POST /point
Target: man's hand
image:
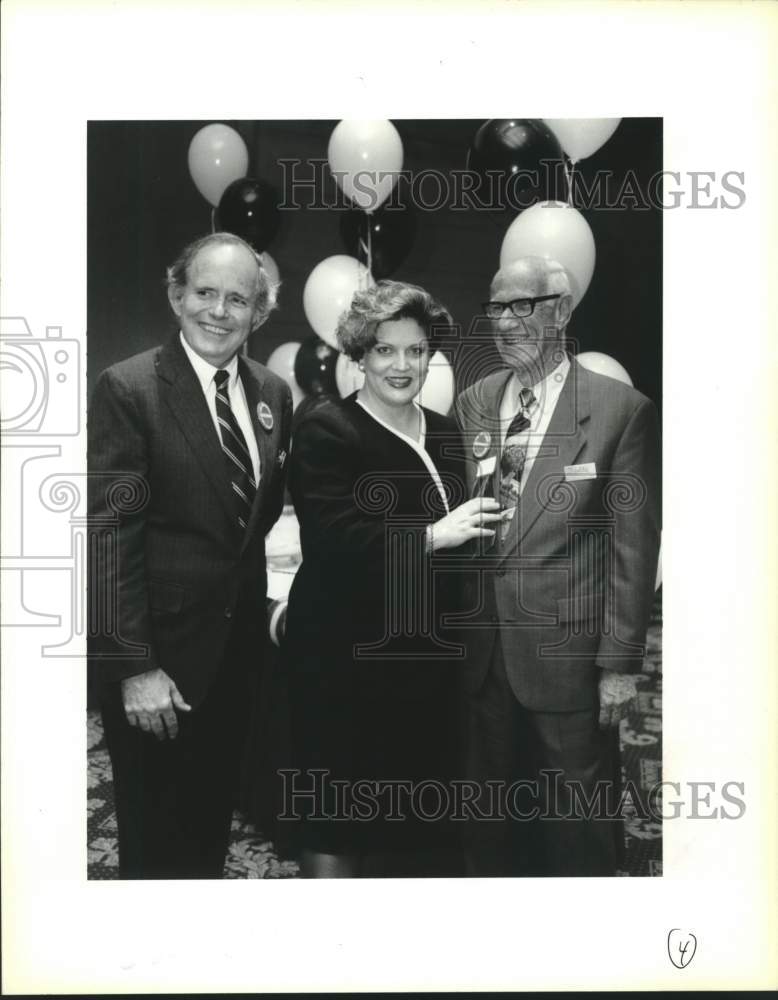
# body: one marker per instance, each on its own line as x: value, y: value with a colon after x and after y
x: 617, y: 691
x: 150, y: 702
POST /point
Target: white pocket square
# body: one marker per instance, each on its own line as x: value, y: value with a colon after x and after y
x: 586, y: 471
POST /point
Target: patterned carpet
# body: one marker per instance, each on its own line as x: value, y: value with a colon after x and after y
x: 252, y: 855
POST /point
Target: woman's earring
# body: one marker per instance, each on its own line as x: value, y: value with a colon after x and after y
x: 360, y: 366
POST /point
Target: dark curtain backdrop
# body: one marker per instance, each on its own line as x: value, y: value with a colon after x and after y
x: 143, y: 207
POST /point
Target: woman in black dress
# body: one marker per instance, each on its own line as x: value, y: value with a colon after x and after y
x: 378, y: 485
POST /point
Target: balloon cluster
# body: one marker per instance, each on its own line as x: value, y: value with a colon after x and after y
x: 365, y: 158
x: 512, y: 158
x: 506, y: 152
x: 218, y: 161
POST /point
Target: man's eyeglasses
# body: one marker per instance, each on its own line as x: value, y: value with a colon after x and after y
x: 521, y: 308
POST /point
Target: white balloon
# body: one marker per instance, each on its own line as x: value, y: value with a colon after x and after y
x: 365, y: 157
x: 556, y: 231
x: 329, y: 290
x: 281, y: 361
x: 217, y: 157
x: 348, y: 377
x: 580, y: 137
x: 436, y: 394
x: 603, y: 364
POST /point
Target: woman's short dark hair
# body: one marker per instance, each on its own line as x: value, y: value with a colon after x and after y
x: 177, y: 273
x: 389, y: 300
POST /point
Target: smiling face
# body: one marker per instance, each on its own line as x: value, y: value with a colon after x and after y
x: 529, y: 345
x: 396, y: 365
x: 217, y: 306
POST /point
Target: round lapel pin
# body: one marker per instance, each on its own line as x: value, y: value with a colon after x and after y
x: 482, y: 443
x: 264, y: 416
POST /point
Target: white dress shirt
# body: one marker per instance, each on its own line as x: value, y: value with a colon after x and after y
x: 547, y: 393
x: 206, y: 374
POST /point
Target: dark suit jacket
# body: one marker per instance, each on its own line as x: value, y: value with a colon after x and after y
x: 571, y: 587
x: 171, y: 571
x: 364, y: 498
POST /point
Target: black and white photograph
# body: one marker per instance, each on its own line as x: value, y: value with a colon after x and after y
x: 449, y: 464
x: 387, y: 566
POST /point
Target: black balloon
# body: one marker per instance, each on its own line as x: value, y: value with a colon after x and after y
x: 314, y: 367
x: 249, y: 209
x: 392, y: 232
x: 519, y: 162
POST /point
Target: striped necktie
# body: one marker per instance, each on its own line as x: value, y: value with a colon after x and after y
x: 236, y: 452
x: 514, y: 455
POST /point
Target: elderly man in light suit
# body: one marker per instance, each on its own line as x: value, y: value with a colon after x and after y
x: 178, y: 608
x: 560, y: 599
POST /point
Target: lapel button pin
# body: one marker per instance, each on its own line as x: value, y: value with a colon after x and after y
x: 482, y: 444
x: 264, y: 416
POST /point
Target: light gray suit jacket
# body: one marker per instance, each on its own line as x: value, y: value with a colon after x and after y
x: 570, y: 588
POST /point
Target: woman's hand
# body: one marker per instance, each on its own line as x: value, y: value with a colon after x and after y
x: 465, y: 523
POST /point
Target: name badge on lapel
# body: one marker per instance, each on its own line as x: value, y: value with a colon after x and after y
x: 486, y: 466
x: 265, y: 416
x: 573, y: 473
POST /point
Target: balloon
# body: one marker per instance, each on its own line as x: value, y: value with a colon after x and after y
x: 270, y: 268
x: 558, y: 232
x: 580, y: 137
x: 281, y: 361
x: 314, y: 367
x: 348, y: 377
x: 249, y: 209
x: 365, y: 158
x: 513, y: 147
x: 217, y: 157
x: 392, y: 231
x: 437, y: 393
x: 329, y: 290
x: 593, y: 361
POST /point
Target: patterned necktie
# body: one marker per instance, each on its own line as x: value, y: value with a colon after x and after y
x: 514, y: 455
x: 236, y: 452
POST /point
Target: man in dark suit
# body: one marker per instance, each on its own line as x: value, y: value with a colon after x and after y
x: 560, y: 599
x: 187, y: 444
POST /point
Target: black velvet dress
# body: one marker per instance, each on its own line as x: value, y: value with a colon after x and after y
x: 373, y: 669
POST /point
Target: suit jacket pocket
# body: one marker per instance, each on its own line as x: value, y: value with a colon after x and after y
x: 166, y: 597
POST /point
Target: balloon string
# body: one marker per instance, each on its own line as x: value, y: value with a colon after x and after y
x: 368, y: 277
x: 569, y: 172
x: 213, y: 219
